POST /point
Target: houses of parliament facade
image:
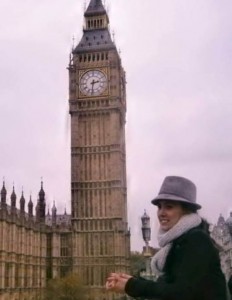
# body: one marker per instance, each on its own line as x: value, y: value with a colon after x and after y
x: 94, y: 239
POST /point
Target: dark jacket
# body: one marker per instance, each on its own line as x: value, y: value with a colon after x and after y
x: 230, y: 285
x: 192, y: 272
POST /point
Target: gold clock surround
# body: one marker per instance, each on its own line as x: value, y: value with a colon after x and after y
x: 93, y: 83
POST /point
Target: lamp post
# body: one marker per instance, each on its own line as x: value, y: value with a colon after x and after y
x: 146, y: 232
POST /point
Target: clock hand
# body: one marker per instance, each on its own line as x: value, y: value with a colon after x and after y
x: 93, y: 82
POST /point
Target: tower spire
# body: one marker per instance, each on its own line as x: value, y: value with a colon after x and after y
x: 22, y: 203
x: 30, y: 207
x: 3, y: 193
x: 95, y: 8
x: 13, y: 198
x: 41, y: 205
x: 96, y: 35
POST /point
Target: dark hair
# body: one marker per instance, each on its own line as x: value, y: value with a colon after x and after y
x: 205, y: 225
x: 188, y: 207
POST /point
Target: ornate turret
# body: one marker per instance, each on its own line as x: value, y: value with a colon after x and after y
x: 221, y: 221
x: 3, y: 195
x: 222, y: 228
x: 22, y: 203
x: 13, y: 198
x: 41, y: 192
x: 41, y: 205
x: 30, y: 207
x: 229, y: 223
x: 54, y: 210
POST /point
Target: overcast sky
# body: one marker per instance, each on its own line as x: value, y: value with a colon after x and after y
x: 178, y: 58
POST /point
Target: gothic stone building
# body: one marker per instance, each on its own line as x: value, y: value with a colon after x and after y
x: 222, y: 234
x: 94, y: 240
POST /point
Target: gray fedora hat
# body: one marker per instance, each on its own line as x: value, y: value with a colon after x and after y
x: 177, y: 189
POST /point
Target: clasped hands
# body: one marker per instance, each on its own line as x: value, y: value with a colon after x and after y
x: 116, y: 282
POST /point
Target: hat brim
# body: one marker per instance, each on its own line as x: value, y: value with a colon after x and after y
x: 173, y: 198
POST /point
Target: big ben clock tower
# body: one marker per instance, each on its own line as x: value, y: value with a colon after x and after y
x: 97, y: 97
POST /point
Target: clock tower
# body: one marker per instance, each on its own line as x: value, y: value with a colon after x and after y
x: 97, y: 98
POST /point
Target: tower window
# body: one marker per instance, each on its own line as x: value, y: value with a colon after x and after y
x: 64, y: 247
x: 7, y: 274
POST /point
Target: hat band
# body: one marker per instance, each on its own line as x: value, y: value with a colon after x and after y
x: 173, y: 197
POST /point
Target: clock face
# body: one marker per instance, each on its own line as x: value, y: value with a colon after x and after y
x: 93, y: 83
